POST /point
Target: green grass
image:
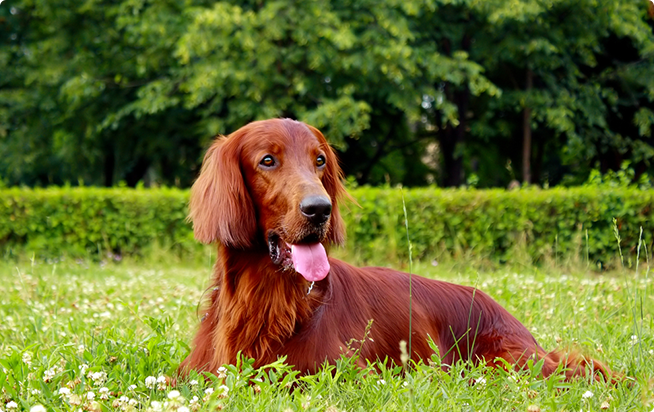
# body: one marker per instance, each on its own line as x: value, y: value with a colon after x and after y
x: 70, y: 329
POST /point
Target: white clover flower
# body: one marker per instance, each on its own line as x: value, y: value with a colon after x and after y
x: 35, y: 392
x: 174, y: 394
x: 11, y: 405
x: 82, y: 368
x: 183, y: 409
x: 90, y: 396
x: 161, y: 382
x: 224, y: 391
x: 208, y: 391
x: 131, y: 387
x: 98, y: 378
x: 156, y: 406
x: 133, y: 402
x: 27, y: 358
x: 193, y: 383
x: 74, y: 399
x: 381, y: 382
x: 49, y: 374
x: 587, y: 395
x: 80, y: 349
x: 38, y: 408
x: 150, y: 381
x: 104, y: 393
x: 64, y: 391
x: 222, y: 372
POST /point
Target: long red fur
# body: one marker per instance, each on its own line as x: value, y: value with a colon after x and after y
x: 264, y: 312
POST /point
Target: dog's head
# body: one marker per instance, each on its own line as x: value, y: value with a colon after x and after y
x: 276, y: 183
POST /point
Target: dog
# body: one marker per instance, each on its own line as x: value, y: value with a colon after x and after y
x: 268, y: 195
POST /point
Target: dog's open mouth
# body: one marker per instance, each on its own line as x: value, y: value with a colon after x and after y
x: 308, y: 259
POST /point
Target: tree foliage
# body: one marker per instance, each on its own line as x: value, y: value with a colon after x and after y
x: 411, y: 91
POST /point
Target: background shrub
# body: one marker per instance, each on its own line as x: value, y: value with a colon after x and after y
x: 494, y: 224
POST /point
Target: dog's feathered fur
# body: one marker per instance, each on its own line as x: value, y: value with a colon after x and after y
x: 262, y: 308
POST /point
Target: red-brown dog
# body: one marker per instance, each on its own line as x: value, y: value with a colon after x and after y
x: 268, y: 195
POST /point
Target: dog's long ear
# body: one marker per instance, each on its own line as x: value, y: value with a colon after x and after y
x: 332, y: 180
x: 220, y: 207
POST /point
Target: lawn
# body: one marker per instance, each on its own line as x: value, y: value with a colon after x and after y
x: 77, y: 335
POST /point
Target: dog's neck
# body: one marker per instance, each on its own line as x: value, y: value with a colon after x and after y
x: 260, y: 305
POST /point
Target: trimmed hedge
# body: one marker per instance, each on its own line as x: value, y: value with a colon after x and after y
x: 488, y: 223
x: 90, y: 221
x: 495, y: 223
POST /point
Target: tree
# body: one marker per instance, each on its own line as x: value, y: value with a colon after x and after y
x: 104, y: 92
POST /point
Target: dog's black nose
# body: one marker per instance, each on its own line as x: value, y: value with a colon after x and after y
x: 316, y: 208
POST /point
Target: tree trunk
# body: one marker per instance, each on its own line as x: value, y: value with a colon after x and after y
x: 526, y: 131
x: 109, y: 161
x: 452, y: 139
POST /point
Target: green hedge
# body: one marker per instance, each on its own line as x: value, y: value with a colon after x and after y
x: 487, y: 223
x: 88, y: 221
x: 496, y: 223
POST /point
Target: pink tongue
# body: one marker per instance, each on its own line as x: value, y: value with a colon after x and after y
x: 310, y: 261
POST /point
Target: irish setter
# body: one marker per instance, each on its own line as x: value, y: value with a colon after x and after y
x: 268, y: 196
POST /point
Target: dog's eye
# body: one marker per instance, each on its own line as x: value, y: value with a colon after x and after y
x: 320, y: 161
x: 267, y: 161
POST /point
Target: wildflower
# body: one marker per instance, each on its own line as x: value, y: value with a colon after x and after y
x: 183, y: 409
x: 133, y: 402
x: 533, y: 408
x: 93, y: 406
x: 82, y: 368
x: 481, y: 382
x: 131, y: 387
x: 587, y: 395
x: 193, y: 383
x: 194, y: 403
x: 11, y: 405
x: 80, y: 349
x: 27, y: 358
x: 90, y: 396
x: 172, y: 395
x: 161, y: 382
x: 150, y: 381
x: 605, y: 405
x: 35, y: 392
x: 222, y: 372
x: 64, y: 391
x: 104, y: 393
x: 49, y: 374
x: 98, y: 378
x: 224, y: 391
x: 38, y: 408
x: 156, y: 406
x: 74, y: 399
x: 381, y: 382
x: 208, y: 391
